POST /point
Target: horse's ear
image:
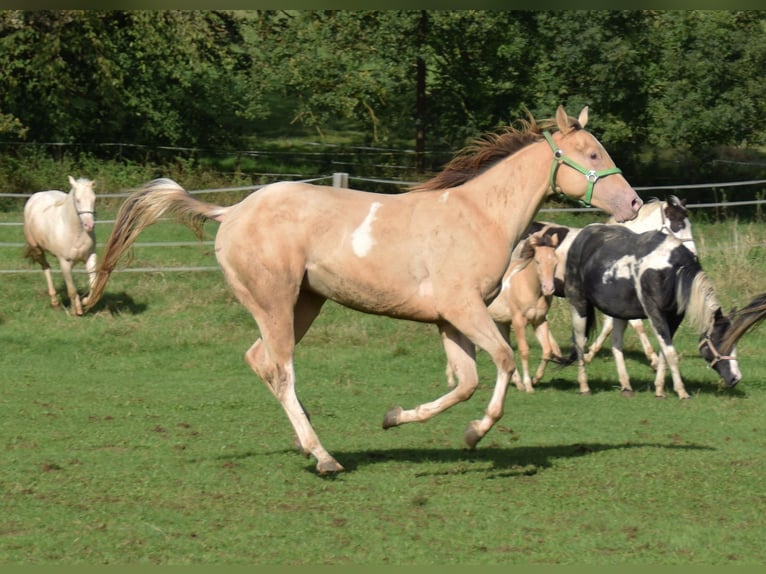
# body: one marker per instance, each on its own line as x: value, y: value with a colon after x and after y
x: 562, y: 120
x: 71, y: 180
x: 583, y: 118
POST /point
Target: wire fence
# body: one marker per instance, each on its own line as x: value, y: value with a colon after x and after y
x: 340, y: 179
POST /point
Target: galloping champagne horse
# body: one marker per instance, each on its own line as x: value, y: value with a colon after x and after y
x: 63, y: 224
x: 434, y: 254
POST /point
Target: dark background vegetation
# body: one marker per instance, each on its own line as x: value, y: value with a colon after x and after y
x: 224, y: 97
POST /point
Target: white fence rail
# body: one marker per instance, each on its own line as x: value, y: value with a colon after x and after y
x: 341, y: 180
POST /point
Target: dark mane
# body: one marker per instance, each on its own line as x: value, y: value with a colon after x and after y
x: 485, y: 152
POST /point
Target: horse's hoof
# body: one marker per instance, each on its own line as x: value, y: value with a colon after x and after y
x: 585, y: 393
x: 659, y: 397
x: 330, y: 466
x: 628, y: 393
x: 686, y: 398
x: 472, y: 435
x: 392, y: 418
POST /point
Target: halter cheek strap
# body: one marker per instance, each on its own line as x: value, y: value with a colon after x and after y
x: 717, y: 357
x: 591, y: 175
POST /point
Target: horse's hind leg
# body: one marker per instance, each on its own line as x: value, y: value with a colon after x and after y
x: 600, y: 340
x: 271, y: 358
x: 461, y: 361
x: 36, y: 254
x: 618, y: 333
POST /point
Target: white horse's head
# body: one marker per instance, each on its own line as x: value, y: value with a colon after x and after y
x: 84, y: 199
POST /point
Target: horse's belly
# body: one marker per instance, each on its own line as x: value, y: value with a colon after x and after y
x: 377, y: 296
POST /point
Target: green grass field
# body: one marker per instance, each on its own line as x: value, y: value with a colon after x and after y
x: 137, y: 435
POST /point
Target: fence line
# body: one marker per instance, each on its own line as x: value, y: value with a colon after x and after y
x: 341, y: 180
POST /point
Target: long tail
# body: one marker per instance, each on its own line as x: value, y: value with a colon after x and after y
x: 142, y: 209
x: 744, y: 320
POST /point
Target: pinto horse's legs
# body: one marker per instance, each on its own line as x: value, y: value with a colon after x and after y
x: 461, y: 365
x: 646, y: 344
x: 579, y: 323
x: 618, y: 337
x: 669, y: 357
x: 599, y: 342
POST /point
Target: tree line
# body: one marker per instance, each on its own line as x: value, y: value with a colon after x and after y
x: 688, y: 81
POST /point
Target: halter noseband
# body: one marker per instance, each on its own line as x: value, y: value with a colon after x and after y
x: 717, y: 357
x: 591, y: 175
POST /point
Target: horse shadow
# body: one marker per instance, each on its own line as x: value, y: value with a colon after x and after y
x: 503, y: 462
x: 117, y: 304
x: 643, y: 385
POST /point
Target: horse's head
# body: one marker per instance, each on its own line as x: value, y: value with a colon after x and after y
x: 593, y: 178
x: 719, y: 346
x: 84, y: 199
x: 719, y: 353
x: 541, y: 247
x: 675, y: 218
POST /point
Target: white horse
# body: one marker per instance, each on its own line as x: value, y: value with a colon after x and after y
x: 63, y: 225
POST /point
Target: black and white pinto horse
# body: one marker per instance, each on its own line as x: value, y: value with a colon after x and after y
x: 650, y: 275
x: 669, y: 216
x: 672, y: 217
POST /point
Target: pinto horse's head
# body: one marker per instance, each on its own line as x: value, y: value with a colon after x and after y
x: 718, y: 347
x: 719, y: 354
x: 590, y: 175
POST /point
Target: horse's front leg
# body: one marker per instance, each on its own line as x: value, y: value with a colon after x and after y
x: 74, y: 297
x: 543, y: 334
x: 461, y: 365
x: 618, y: 333
x: 669, y: 356
x: 519, y: 329
x: 646, y: 344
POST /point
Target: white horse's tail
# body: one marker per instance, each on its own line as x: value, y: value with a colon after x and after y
x: 143, y: 208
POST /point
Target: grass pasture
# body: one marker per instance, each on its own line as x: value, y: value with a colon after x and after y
x: 137, y: 435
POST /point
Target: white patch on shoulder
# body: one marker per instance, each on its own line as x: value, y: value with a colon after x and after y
x: 362, y: 240
x: 620, y: 269
x: 444, y: 197
x: 426, y: 288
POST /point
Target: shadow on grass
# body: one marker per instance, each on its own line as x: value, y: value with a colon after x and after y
x: 640, y: 385
x: 505, y: 462
x: 118, y: 303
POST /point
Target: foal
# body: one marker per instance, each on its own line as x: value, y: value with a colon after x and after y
x: 525, y: 298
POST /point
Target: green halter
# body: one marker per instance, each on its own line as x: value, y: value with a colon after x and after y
x: 591, y: 175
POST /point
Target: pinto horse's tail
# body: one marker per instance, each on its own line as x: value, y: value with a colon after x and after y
x: 143, y: 208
